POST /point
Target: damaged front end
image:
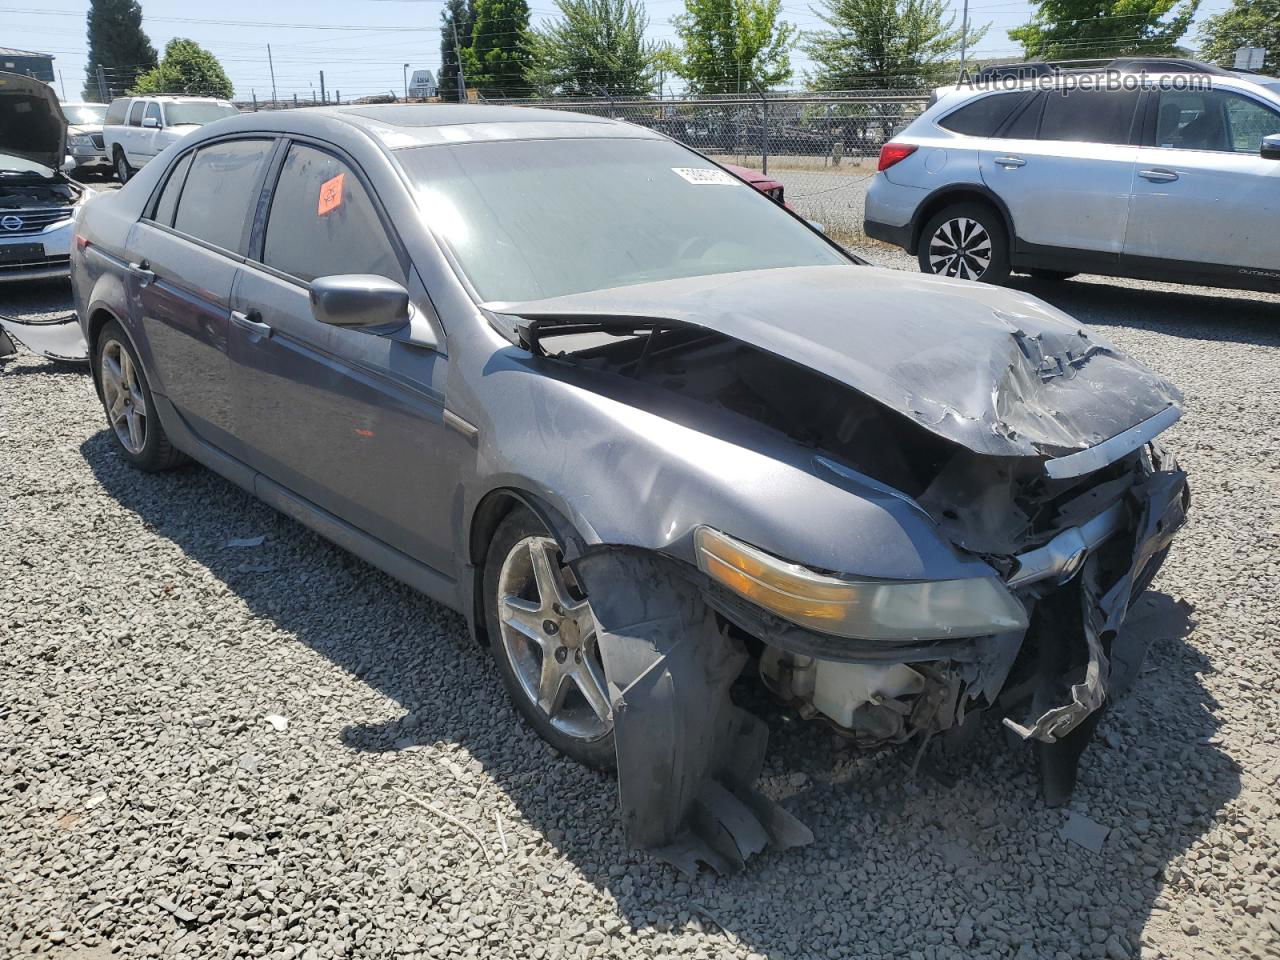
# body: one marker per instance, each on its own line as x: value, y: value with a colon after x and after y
x: 1026, y: 443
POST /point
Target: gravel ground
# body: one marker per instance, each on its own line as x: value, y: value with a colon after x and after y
x: 275, y: 751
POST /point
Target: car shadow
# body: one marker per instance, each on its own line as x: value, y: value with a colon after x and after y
x: 971, y: 840
x: 1238, y: 315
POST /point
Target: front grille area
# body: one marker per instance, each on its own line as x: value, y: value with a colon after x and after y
x: 17, y: 223
x: 97, y: 140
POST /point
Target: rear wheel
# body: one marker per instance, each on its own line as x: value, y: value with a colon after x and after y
x: 543, y: 637
x: 967, y: 241
x: 123, y: 170
x: 130, y: 407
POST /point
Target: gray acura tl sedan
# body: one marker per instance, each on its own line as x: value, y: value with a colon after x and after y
x: 643, y: 427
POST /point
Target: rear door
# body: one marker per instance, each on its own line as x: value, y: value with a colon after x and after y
x: 131, y: 135
x: 148, y: 136
x: 1064, y: 169
x: 1203, y: 194
x: 185, y: 255
x: 347, y: 419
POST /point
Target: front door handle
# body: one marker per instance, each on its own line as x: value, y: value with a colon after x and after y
x: 142, y: 270
x: 251, y: 321
x: 1011, y: 162
x: 1158, y: 175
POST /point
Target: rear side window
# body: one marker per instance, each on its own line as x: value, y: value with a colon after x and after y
x: 323, y: 222
x: 168, y: 201
x: 220, y: 193
x: 1089, y: 116
x: 135, y: 114
x: 118, y: 110
x: 982, y: 118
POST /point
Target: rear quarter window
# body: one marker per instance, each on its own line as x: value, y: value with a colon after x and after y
x: 117, y: 111
x: 983, y: 117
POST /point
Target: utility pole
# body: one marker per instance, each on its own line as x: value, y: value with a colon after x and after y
x: 102, y: 84
x: 457, y: 52
x: 272, y: 65
x: 323, y: 98
x: 405, y: 71
x: 964, y: 34
x: 62, y: 83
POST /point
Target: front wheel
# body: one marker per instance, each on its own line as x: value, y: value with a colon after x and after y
x: 123, y: 170
x: 543, y: 638
x: 967, y: 241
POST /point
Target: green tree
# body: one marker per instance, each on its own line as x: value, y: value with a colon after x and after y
x: 599, y: 44
x: 459, y: 15
x: 728, y: 46
x: 1246, y: 23
x: 885, y: 43
x: 117, y: 44
x: 499, y: 51
x: 186, y: 68
x: 1083, y: 29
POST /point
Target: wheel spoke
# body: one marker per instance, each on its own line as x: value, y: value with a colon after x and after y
x: 525, y: 616
x: 551, y: 686
x: 546, y: 573
x: 136, y: 430
x: 592, y: 688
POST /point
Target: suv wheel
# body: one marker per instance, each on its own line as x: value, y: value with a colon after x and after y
x: 123, y: 170
x: 126, y: 397
x: 967, y: 241
x: 543, y: 638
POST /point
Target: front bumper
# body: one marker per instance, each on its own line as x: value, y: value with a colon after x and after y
x: 37, y: 256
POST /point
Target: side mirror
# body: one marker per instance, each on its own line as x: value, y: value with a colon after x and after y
x: 359, y: 300
x: 151, y: 123
x: 1271, y: 147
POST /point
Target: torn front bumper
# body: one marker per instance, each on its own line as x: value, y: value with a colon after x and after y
x: 57, y: 339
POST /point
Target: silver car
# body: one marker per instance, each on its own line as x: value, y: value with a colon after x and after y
x: 1127, y: 172
x: 642, y: 426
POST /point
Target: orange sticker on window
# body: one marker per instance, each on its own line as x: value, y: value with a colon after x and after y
x: 330, y: 195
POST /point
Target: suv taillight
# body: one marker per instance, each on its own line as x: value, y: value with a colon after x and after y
x: 892, y: 153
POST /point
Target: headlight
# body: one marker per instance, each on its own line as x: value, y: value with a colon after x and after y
x: 80, y: 140
x: 863, y: 609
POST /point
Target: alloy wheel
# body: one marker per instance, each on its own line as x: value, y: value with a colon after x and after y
x: 122, y: 392
x: 960, y: 248
x: 549, y: 637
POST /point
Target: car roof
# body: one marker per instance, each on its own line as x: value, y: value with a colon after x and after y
x: 1228, y: 80
x: 399, y: 126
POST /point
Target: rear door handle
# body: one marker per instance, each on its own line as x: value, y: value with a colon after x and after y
x: 1158, y: 175
x: 142, y: 270
x: 1011, y: 162
x: 251, y: 321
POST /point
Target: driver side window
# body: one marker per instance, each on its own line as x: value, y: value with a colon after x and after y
x: 1216, y: 120
x: 153, y: 112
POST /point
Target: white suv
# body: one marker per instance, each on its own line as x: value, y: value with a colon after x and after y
x: 1163, y: 171
x: 138, y: 128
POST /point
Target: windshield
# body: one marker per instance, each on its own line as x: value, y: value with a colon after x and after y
x: 84, y: 113
x: 197, y: 113
x: 529, y: 219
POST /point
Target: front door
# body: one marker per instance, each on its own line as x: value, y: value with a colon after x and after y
x: 1066, y: 179
x: 1203, y: 194
x: 184, y: 260
x: 350, y: 420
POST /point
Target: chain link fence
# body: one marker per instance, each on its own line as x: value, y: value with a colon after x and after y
x: 822, y: 147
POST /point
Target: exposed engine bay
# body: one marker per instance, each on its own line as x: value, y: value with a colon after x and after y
x: 1075, y: 551
x: 26, y: 194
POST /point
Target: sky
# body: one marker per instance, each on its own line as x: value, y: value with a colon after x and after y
x: 362, y: 45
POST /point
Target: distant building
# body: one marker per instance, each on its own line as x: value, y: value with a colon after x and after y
x: 422, y: 85
x: 27, y: 63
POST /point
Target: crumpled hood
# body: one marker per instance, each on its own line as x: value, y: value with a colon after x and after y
x: 32, y: 126
x: 995, y: 370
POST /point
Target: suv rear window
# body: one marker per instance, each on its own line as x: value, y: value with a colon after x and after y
x: 982, y: 118
x: 1089, y: 116
x: 116, y: 112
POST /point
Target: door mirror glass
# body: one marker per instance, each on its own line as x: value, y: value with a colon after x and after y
x: 150, y: 122
x: 359, y: 300
x: 1271, y: 147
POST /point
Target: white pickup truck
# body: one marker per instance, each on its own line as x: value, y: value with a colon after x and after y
x: 138, y: 128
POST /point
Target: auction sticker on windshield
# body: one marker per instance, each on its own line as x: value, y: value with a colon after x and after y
x: 330, y: 195
x: 701, y: 175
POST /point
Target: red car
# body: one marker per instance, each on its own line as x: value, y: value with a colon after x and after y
x: 763, y: 182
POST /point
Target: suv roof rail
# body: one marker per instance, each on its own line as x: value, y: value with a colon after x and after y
x: 1032, y: 69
